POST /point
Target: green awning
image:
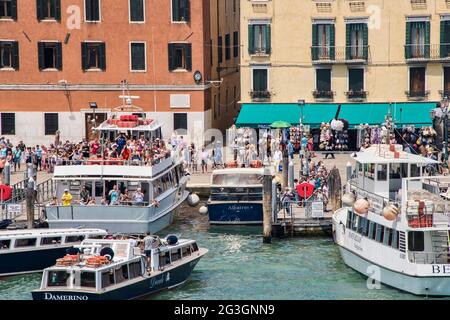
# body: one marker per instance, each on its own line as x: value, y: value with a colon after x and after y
x: 262, y: 115
x: 405, y: 113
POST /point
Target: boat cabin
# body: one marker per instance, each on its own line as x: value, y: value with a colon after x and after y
x: 381, y: 168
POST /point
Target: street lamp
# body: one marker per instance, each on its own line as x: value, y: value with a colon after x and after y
x: 301, y: 104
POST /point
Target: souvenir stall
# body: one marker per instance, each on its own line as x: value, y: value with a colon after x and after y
x: 334, y: 136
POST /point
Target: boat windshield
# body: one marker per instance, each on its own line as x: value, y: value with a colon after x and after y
x: 58, y: 278
x: 236, y: 179
x: 236, y: 194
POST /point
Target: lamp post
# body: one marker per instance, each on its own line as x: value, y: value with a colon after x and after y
x: 301, y: 104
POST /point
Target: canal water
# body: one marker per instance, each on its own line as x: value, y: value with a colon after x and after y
x: 240, y: 266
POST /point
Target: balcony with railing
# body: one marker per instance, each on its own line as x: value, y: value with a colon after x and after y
x: 427, y: 52
x: 323, y: 95
x: 356, y: 95
x: 260, y: 96
x: 343, y: 54
x: 417, y: 94
x: 260, y: 51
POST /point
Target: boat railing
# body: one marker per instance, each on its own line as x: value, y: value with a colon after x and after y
x: 429, y: 257
x: 112, y: 162
x: 377, y: 202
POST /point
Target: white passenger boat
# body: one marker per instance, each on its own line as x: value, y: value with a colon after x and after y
x: 117, y: 270
x: 27, y: 251
x: 397, y: 231
x: 163, y: 185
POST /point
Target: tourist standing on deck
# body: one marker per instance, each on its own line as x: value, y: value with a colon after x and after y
x: 66, y: 198
x: 114, y: 196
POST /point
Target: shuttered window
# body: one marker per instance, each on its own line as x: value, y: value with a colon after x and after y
x: 51, y: 123
x: 180, y: 121
x: 447, y: 81
x: 445, y: 39
x: 92, y: 10
x: 356, y: 41
x: 417, y: 39
x: 235, y: 44
x: 323, y: 36
x: 220, y: 49
x: 180, y: 10
x: 323, y: 79
x: 417, y: 81
x: 8, y: 9
x: 50, y: 55
x: 180, y: 56
x: 48, y: 9
x: 93, y: 55
x: 9, y: 54
x: 356, y: 79
x: 227, y: 47
x: 8, y: 123
x: 137, y: 51
x: 259, y: 38
x: 137, y: 10
x: 260, y: 80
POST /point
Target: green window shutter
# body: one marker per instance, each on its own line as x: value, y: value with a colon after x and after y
x: 88, y: 9
x: 188, y: 48
x: 58, y: 10
x: 427, y: 39
x: 175, y: 10
x: 348, y: 41
x: 15, y: 54
x: 187, y: 9
x: 41, y: 56
x: 365, y: 41
x: 102, y: 57
x: 171, y: 56
x: 251, y: 39
x: 59, y: 56
x: 332, y: 41
x: 39, y: 9
x: 96, y: 7
x: 268, y: 37
x: 14, y: 9
x: 314, y: 49
x: 84, y: 62
x: 408, y: 40
x: 442, y: 40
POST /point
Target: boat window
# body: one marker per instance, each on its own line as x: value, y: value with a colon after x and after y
x: 135, y: 269
x: 379, y: 233
x: 72, y: 239
x: 369, y: 170
x: 194, y: 247
x: 398, y: 170
x: 361, y: 224
x: 175, y: 175
x: 107, y: 278
x: 87, y: 279
x: 387, y: 236
x: 349, y: 219
x: 415, y: 170
x: 58, y: 279
x: 122, y: 273
x: 382, y: 172
x: 354, y: 222
x: 359, y: 167
x: 121, y: 250
x: 231, y: 180
x: 372, y: 230
x: 5, y: 244
x: 20, y: 243
x: 175, y: 254
x: 99, y: 188
x: 416, y: 241
x: 164, y: 258
x: 50, y: 240
x: 186, y: 251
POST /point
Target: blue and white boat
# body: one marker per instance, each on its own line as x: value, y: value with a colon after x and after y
x: 117, y: 270
x: 236, y: 197
x: 28, y: 251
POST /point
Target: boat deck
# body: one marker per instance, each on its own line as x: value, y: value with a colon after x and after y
x: 300, y: 223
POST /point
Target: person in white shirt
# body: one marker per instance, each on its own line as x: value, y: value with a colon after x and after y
x: 277, y: 158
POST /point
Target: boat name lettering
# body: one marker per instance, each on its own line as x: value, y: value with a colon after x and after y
x: 49, y: 296
x: 444, y: 269
x: 241, y: 207
x: 157, y: 281
x: 355, y: 237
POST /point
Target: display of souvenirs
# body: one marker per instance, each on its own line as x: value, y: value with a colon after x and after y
x: 336, y: 139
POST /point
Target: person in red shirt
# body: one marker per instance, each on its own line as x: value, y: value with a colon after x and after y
x: 126, y: 153
x: 94, y: 147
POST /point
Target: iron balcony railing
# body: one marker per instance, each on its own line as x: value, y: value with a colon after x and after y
x: 260, y: 51
x: 356, y: 94
x: 343, y: 54
x: 426, y: 52
x: 445, y: 94
x: 260, y: 95
x: 417, y: 94
x: 323, y: 94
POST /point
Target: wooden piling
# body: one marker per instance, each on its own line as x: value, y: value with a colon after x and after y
x: 267, y: 206
x: 285, y: 168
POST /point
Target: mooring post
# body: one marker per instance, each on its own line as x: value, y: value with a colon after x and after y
x: 274, y: 201
x: 291, y: 174
x: 285, y: 167
x: 349, y: 171
x: 267, y: 206
x: 30, y: 200
x: 7, y: 174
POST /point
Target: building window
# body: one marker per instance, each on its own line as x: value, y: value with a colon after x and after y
x: 235, y: 97
x: 180, y: 121
x: 356, y: 41
x: 9, y: 54
x: 92, y: 10
x: 93, y: 55
x: 323, y: 84
x: 8, y: 9
x: 8, y: 123
x: 50, y: 55
x: 446, y: 82
x: 417, y: 40
x: 260, y: 84
x: 51, y: 123
x: 180, y: 10
x: 259, y: 39
x: 137, y: 10
x: 356, y: 83
x: 235, y: 44
x: 234, y: 6
x: 323, y: 42
x: 48, y: 10
x: 180, y: 56
x: 417, y: 82
x: 138, y: 56
x: 227, y: 47
x: 445, y: 39
x: 219, y: 49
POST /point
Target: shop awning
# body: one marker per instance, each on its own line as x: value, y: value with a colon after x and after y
x: 262, y: 115
x: 406, y: 113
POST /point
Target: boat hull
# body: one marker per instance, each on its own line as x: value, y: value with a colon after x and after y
x: 13, y: 263
x: 426, y: 286
x: 147, y: 286
x: 235, y: 213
